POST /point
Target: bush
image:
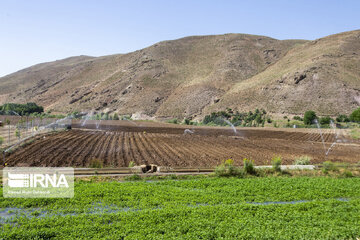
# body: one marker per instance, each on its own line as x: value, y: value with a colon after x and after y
x: 174, y: 121
x: 325, y: 120
x: 298, y: 118
x: 17, y: 133
x: 227, y: 169
x: 329, y: 166
x: 342, y: 118
x: 1, y: 140
x: 249, y: 166
x: 96, y: 163
x: 187, y: 121
x: 309, y: 117
x: 302, y: 160
x: 131, y: 164
x: 116, y: 116
x: 355, y: 115
x: 347, y: 174
x: 276, y: 163
x: 134, y: 177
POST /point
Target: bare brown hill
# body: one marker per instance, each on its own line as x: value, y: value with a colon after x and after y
x: 193, y: 76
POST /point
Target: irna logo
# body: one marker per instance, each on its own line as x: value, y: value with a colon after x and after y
x: 37, y: 180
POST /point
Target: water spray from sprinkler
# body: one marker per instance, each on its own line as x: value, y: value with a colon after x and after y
x: 333, y: 126
x: 321, y: 135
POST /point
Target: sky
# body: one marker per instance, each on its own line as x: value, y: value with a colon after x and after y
x: 35, y: 31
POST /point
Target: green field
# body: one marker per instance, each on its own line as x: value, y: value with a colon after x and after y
x: 200, y: 208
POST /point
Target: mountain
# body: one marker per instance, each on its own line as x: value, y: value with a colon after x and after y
x: 193, y: 76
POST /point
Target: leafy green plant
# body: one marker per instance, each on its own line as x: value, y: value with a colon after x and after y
x: 347, y: 174
x: 174, y: 121
x: 249, y: 166
x: 298, y: 118
x: 116, y: 116
x: 325, y: 120
x: 342, y: 118
x: 134, y: 177
x: 131, y: 164
x: 187, y: 121
x: 329, y: 166
x: 302, y: 160
x: 355, y: 115
x: 309, y: 117
x: 227, y: 169
x: 96, y: 163
x: 17, y: 133
x: 276, y: 163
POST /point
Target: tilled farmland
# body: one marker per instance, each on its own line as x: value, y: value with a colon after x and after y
x: 116, y: 145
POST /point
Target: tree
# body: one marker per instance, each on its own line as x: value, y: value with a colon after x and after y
x: 309, y: 117
x: 17, y: 133
x: 116, y: 116
x: 325, y: 120
x: 342, y: 118
x: 355, y: 115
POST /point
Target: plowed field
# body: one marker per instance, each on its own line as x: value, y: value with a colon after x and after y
x: 167, y: 145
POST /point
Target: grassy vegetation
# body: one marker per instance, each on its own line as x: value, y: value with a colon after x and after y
x: 355, y: 133
x: 302, y: 160
x: 205, y: 208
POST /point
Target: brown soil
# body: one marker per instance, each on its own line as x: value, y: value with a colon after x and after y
x: 116, y: 144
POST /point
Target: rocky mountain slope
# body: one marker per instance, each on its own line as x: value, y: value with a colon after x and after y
x: 193, y: 76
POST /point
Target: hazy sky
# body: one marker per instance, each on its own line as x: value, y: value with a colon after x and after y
x: 34, y: 31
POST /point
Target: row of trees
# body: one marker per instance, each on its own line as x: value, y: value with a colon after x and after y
x: 246, y: 119
x: 310, y: 117
x: 20, y: 109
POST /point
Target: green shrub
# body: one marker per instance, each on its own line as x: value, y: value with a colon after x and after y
x: 276, y: 163
x: 325, y: 120
x: 309, y: 117
x: 116, y: 116
x: 174, y: 121
x: 134, y: 177
x: 131, y: 164
x: 1, y: 140
x: 96, y: 163
x: 347, y: 174
x: 187, y: 121
x: 249, y: 166
x: 355, y: 115
x: 227, y: 169
x: 302, y: 160
x: 17, y: 133
x: 329, y: 166
x: 342, y: 118
x: 298, y: 118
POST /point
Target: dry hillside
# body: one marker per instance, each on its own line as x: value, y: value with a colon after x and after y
x: 193, y: 76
